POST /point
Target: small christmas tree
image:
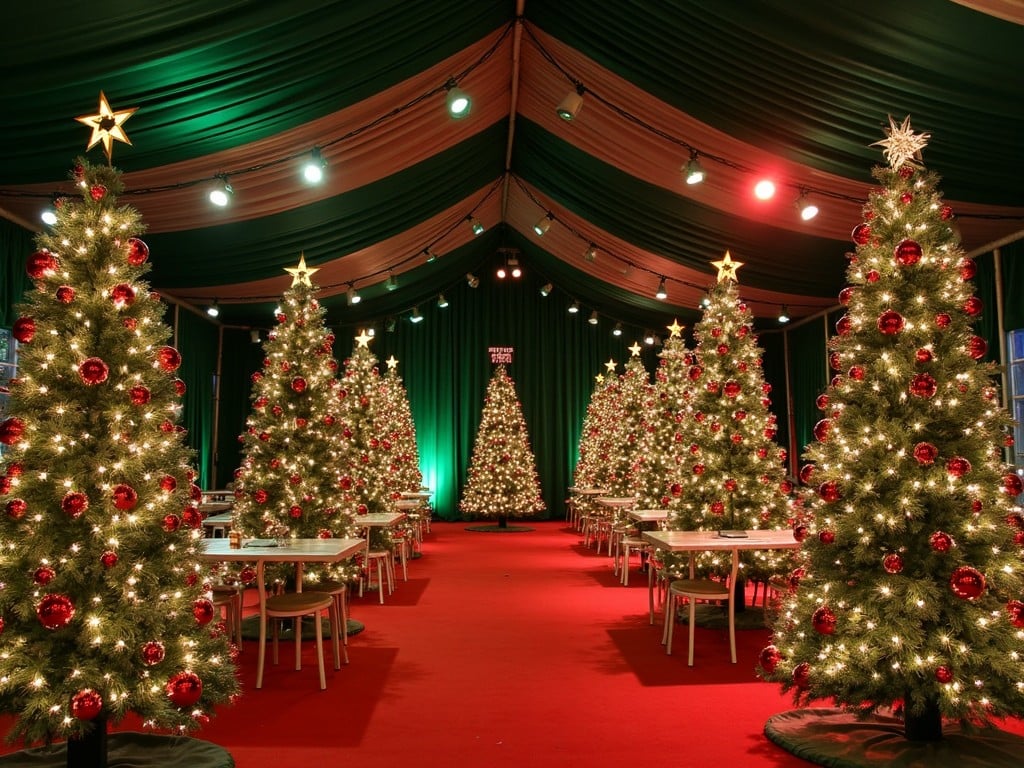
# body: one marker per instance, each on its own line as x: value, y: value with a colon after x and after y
x: 733, y: 477
x: 400, y: 430
x: 502, y: 480
x: 288, y: 482
x: 104, y: 610
x: 595, y: 437
x: 635, y: 399
x: 911, y: 595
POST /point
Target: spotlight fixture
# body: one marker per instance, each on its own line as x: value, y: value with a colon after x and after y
x: 617, y: 330
x: 705, y: 302
x: 472, y: 280
x: 574, y: 307
x: 783, y: 315
x: 662, y: 293
x: 213, y: 310
x: 352, y: 295
x: 442, y: 302
x: 544, y: 224
x: 313, y: 170
x: 808, y: 210
x: 415, y: 317
x: 475, y: 225
x: 590, y: 254
x: 571, y: 105
x: 546, y: 289
x: 764, y: 189
x: 49, y: 214
x: 222, y: 191
x: 593, y: 318
x: 500, y: 272
x: 254, y: 336
x: 389, y: 325
x: 693, y: 171
x: 371, y: 331
x: 391, y: 283
x: 649, y: 338
x: 459, y: 103
x: 431, y: 256
x: 513, y: 265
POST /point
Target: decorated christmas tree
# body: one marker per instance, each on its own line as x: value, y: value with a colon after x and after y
x: 910, y: 596
x: 733, y: 477
x: 400, y: 430
x: 288, y: 484
x: 596, y: 434
x: 104, y: 609
x: 635, y: 400
x: 665, y: 444
x: 502, y: 480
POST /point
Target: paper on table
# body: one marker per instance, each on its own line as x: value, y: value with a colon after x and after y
x: 260, y: 543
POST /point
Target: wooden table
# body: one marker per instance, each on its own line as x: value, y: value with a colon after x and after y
x: 220, y: 522
x: 385, y: 520
x: 648, y: 515
x: 298, y: 551
x: 214, y: 507
x: 711, y: 541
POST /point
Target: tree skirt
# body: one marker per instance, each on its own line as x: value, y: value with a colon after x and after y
x: 251, y: 629
x: 838, y: 739
x: 495, y: 528
x: 132, y: 750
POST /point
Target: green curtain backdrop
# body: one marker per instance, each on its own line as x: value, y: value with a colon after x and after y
x: 240, y: 358
x: 198, y: 342
x: 808, y: 375
x: 1012, y: 264
x: 16, y: 243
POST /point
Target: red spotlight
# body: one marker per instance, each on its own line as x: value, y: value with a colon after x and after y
x: 764, y: 189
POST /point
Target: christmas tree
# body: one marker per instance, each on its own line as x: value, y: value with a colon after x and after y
x: 288, y: 485
x: 635, y: 399
x: 910, y: 595
x: 733, y: 477
x: 665, y: 444
x: 502, y: 480
x: 400, y: 430
x: 595, y: 436
x: 104, y: 610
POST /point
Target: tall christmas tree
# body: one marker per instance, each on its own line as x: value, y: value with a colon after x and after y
x: 635, y: 399
x: 288, y: 484
x: 400, y: 430
x: 502, y: 480
x: 665, y: 444
x: 596, y: 434
x: 103, y: 610
x: 911, y: 594
x: 734, y: 476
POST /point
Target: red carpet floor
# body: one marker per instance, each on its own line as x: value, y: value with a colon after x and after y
x: 513, y: 649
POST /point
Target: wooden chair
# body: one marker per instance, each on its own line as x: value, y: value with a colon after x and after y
x: 295, y: 605
x: 694, y: 590
x: 338, y: 590
x: 629, y: 543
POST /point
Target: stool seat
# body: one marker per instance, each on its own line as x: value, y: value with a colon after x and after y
x: 694, y: 590
x: 295, y: 605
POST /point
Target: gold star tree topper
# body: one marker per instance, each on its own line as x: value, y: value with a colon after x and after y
x: 610, y: 365
x: 901, y: 144
x: 392, y: 363
x: 727, y: 268
x: 599, y: 378
x: 363, y: 339
x: 107, y: 126
x: 675, y: 330
x: 635, y: 349
x: 301, y: 273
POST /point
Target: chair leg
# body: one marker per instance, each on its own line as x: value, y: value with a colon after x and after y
x: 298, y: 642
x: 693, y: 621
x: 262, y: 652
x: 319, y: 646
x: 670, y: 622
x: 334, y: 614
x: 380, y: 582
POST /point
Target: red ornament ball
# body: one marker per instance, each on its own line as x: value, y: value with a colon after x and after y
x: 247, y: 575
x: 123, y: 295
x: 55, y: 611
x: 152, y: 653
x: 93, y: 371
x: 844, y: 325
x: 86, y: 704
x: 139, y: 395
x: 892, y: 563
x: 713, y: 387
x: 942, y: 320
x: 861, y: 234
x: 203, y: 611
x: 16, y: 508
x: 946, y: 213
x: 130, y: 323
x: 769, y: 658
x: 940, y: 542
x: 908, y: 252
x: 722, y: 349
x: 124, y: 496
x: 65, y: 294
x: 829, y: 492
x: 729, y: 485
x: 906, y: 198
x: 179, y: 387
x: 800, y: 531
x: 923, y: 355
x: 824, y: 621
x: 97, y: 192
x: 41, y: 264
x: 835, y: 361
x: 802, y: 676
x: 732, y: 388
x: 958, y: 466
x: 168, y: 358
x: 295, y: 511
x: 74, y: 504
x: 856, y: 372
x: 796, y: 575
x: 923, y: 385
x: 698, y: 469
x: 967, y: 582
x: 171, y: 523
x: 166, y: 426
x: 1012, y: 484
x: 977, y: 347
x: 826, y: 536
x: 806, y: 473
x: 943, y: 674
x: 362, y: 509
x: 822, y: 401
x: 184, y: 689
x: 24, y: 329
x: 1016, y: 610
x: 192, y: 517
x: 717, y: 508
x: 976, y: 506
x: 845, y: 295
x: 168, y: 483
x: 822, y: 429
x: 138, y: 252
x: 890, y: 322
x: 925, y: 453
x: 11, y: 430
x: 785, y: 487
x: 968, y: 269
x: 872, y: 276
x: 298, y: 384
x: 44, y: 574
x: 973, y: 306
